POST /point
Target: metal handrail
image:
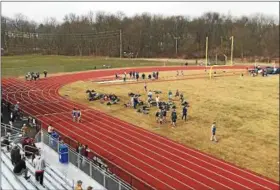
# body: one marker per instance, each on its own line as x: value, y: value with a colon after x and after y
x: 70, y: 149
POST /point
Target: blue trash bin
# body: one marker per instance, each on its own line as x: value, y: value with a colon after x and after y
x: 54, y: 139
x: 63, y: 154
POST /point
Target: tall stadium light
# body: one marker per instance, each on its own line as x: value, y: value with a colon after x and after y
x: 206, y: 52
x: 231, y: 53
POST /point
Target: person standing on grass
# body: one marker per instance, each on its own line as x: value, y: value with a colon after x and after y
x: 169, y: 95
x: 157, y: 101
x: 177, y: 94
x: 45, y: 73
x: 164, y: 115
x: 145, y: 87
x: 185, y: 113
x: 174, y: 118
x: 39, y: 164
x: 137, y: 76
x: 213, y: 131
x: 150, y: 94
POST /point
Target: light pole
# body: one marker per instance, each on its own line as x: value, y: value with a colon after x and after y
x: 176, y: 38
x: 231, y: 53
x: 206, y: 51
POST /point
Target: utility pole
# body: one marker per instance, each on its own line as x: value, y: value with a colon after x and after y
x: 206, y: 52
x: 176, y: 39
x: 231, y: 54
x: 121, y: 44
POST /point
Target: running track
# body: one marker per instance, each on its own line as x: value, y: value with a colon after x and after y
x: 160, y: 163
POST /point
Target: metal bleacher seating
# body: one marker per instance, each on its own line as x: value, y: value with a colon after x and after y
x: 53, y: 179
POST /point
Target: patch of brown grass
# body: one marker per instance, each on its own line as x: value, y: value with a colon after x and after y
x: 245, y: 109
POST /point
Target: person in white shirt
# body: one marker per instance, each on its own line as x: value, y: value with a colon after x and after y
x: 39, y: 164
x: 157, y: 101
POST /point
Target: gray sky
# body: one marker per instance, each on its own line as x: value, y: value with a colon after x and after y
x: 38, y: 11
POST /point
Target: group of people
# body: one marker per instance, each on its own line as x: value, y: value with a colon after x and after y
x: 76, y: 115
x: 178, y: 73
x: 80, y: 187
x: 19, y: 163
x: 34, y: 75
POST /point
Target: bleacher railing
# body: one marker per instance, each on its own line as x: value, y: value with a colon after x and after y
x: 102, y: 176
x: 109, y: 180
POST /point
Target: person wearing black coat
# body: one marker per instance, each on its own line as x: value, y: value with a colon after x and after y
x: 15, y: 155
x: 21, y: 168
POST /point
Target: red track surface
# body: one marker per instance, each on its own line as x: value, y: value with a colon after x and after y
x: 150, y: 158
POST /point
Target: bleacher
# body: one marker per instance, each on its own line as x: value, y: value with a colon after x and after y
x: 92, y: 170
x: 54, y: 179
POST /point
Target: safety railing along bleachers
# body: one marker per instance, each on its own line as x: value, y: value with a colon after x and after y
x: 53, y: 179
x: 112, y: 177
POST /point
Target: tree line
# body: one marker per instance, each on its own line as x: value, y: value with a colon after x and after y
x: 143, y: 35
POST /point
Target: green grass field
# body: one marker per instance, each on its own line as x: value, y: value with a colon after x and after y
x: 20, y: 65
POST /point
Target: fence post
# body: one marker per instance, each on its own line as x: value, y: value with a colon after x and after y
x: 90, y: 169
x: 5, y: 129
x: 104, y: 180
x: 42, y: 136
x: 79, y: 160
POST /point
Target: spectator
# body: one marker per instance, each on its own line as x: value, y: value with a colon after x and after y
x: 15, y: 155
x: 86, y: 151
x: 20, y: 168
x: 182, y: 73
x: 11, y: 119
x: 79, y: 185
x: 50, y: 129
x: 213, y: 131
x: 39, y: 164
x: 24, y: 130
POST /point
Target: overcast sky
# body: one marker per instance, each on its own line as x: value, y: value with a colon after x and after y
x: 38, y: 11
